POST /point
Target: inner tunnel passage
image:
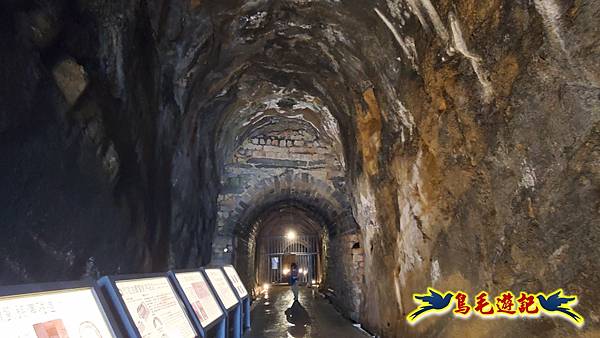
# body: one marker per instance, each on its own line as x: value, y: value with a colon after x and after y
x: 289, y: 236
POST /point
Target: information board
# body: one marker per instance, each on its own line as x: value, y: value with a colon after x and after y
x: 198, y: 293
x: 219, y: 282
x: 54, y: 314
x: 236, y: 281
x: 154, y: 308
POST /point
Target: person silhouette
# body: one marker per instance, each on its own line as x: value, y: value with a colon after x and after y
x: 294, y: 280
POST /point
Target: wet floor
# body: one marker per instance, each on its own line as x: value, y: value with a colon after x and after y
x: 312, y: 317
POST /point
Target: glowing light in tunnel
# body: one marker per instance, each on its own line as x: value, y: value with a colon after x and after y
x: 291, y: 235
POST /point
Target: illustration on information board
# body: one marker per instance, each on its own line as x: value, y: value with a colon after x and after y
x: 89, y: 330
x: 202, y: 293
x: 51, y: 329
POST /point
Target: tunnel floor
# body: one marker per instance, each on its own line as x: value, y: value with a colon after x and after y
x: 270, y: 317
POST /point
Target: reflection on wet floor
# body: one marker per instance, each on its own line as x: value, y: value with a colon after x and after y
x: 277, y: 316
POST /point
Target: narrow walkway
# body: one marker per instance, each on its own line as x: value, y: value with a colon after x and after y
x: 320, y: 318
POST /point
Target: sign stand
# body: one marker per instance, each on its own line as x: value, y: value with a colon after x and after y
x: 194, y: 282
x: 139, y: 290
x: 227, y: 297
x: 241, y: 292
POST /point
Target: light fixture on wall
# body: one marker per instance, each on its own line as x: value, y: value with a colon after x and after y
x: 226, y: 249
x: 291, y: 235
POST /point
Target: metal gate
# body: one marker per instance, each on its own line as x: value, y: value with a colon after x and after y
x: 278, y: 252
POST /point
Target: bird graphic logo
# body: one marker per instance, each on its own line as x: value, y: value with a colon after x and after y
x: 559, y: 304
x: 429, y: 303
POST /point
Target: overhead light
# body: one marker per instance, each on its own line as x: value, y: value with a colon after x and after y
x: 291, y: 235
x: 313, y: 282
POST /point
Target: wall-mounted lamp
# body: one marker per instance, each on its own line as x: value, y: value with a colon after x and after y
x: 226, y: 249
x: 291, y: 235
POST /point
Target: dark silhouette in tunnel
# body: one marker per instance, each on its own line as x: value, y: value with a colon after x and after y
x: 297, y: 315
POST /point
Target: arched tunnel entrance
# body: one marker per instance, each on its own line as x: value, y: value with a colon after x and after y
x: 297, y: 219
x: 289, y: 235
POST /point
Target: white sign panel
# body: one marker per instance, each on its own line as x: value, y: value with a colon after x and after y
x: 198, y: 292
x: 54, y: 314
x: 154, y: 308
x: 236, y: 281
x: 219, y: 282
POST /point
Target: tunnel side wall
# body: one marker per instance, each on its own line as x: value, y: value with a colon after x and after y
x: 490, y: 181
x: 344, y: 279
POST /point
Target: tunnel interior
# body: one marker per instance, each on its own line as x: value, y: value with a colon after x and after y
x: 288, y: 234
x: 409, y: 143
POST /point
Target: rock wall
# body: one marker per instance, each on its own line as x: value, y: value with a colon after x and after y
x: 344, y: 279
x: 91, y: 179
x: 496, y: 187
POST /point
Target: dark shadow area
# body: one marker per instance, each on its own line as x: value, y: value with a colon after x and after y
x: 297, y: 315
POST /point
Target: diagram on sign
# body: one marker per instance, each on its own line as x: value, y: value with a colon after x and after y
x: 154, y: 308
x: 198, y: 293
x: 219, y: 282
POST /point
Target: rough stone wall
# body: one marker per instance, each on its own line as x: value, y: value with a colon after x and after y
x: 306, y: 163
x: 264, y: 157
x: 90, y: 179
x: 496, y: 186
x: 73, y: 186
x: 345, y: 274
x: 289, y: 149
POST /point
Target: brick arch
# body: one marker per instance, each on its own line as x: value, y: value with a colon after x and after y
x: 307, y: 192
x: 323, y: 202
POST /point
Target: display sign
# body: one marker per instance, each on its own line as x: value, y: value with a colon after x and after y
x: 198, y: 293
x: 236, y: 281
x: 275, y: 263
x: 219, y: 282
x: 54, y: 314
x: 154, y: 308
